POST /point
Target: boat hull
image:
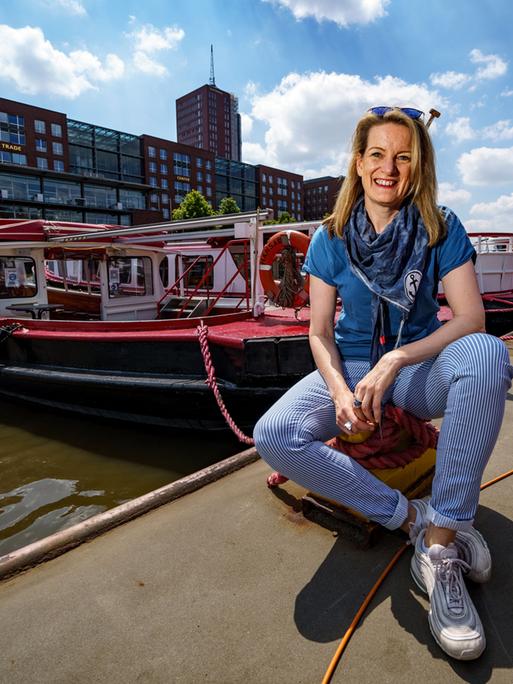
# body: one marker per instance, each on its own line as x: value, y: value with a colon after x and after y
x: 158, y: 383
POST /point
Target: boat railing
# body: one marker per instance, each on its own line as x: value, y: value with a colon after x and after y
x: 179, y: 287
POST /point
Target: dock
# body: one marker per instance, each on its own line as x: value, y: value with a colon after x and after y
x: 230, y: 584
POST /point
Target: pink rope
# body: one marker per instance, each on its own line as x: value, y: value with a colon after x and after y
x: 211, y: 381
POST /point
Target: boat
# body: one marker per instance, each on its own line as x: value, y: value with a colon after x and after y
x: 169, y: 324
x: 129, y: 323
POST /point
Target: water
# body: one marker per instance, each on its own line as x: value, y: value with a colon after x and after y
x: 58, y: 469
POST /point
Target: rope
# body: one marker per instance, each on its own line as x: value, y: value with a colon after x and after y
x: 380, y: 449
x: 211, y: 381
x: 7, y: 330
x: 292, y: 281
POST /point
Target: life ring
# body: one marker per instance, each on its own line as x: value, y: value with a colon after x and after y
x: 276, y: 244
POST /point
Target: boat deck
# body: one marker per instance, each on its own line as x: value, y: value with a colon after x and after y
x: 230, y: 584
x: 230, y: 329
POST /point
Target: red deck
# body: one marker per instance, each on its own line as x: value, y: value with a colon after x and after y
x: 230, y: 330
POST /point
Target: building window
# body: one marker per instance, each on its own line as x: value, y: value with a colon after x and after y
x: 153, y: 167
x: 40, y: 145
x: 165, y: 198
x: 39, y: 126
x: 154, y: 198
x: 163, y: 154
x: 199, y: 176
x: 165, y: 213
x: 200, y: 189
x: 42, y: 162
x: 57, y: 149
x: 208, y: 164
x: 163, y: 169
x: 209, y: 191
x: 209, y: 178
x: 13, y: 158
x: 151, y: 151
x: 153, y: 181
x: 56, y: 130
x: 164, y: 184
x: 264, y: 178
x: 58, y: 165
x: 199, y: 162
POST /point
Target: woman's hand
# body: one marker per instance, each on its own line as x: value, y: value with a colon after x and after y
x: 371, y: 389
x: 346, y: 413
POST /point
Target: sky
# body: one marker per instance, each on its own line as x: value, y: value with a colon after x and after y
x: 304, y: 72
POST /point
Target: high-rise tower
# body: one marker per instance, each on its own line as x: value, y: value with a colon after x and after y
x: 209, y: 118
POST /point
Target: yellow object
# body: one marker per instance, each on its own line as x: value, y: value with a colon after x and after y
x: 357, y: 438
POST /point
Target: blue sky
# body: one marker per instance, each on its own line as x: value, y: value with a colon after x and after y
x: 304, y: 71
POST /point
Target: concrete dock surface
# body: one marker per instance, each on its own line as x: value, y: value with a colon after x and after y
x: 231, y: 584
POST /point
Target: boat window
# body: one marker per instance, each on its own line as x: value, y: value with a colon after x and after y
x: 129, y: 277
x: 17, y: 277
x: 79, y: 275
x: 164, y: 272
x: 199, y: 265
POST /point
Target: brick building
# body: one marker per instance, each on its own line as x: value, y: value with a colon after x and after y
x: 320, y: 195
x: 280, y: 191
x: 208, y: 118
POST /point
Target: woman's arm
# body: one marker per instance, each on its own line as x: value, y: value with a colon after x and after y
x: 323, y: 298
x: 462, y: 293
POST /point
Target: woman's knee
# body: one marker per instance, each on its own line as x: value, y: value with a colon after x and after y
x: 486, y: 356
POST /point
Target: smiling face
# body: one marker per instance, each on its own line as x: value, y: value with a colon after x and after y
x: 385, y: 167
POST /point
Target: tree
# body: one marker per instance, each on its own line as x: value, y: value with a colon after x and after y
x: 193, y: 205
x: 285, y: 217
x: 228, y: 206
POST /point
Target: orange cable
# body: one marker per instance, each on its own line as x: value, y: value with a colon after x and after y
x: 352, y: 627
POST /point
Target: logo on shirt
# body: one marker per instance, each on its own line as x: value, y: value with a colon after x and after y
x: 411, y: 284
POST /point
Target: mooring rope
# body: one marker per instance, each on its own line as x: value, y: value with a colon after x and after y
x: 379, y: 450
x: 211, y: 381
x: 7, y: 330
x: 292, y: 281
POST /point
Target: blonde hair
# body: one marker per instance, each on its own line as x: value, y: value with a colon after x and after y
x: 423, y: 185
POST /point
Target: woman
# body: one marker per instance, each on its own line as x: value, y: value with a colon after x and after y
x: 383, y: 252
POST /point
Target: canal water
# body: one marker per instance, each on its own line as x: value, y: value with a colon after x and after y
x: 58, y: 469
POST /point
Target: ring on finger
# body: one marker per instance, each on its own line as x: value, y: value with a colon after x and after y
x: 348, y: 425
x: 357, y: 403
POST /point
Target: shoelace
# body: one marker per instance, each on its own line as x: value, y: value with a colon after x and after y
x: 449, y: 573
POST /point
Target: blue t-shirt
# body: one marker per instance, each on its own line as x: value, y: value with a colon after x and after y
x: 327, y: 259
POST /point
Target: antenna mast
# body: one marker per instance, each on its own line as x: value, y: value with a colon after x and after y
x: 212, y: 80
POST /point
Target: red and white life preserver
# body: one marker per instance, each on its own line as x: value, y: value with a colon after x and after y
x: 276, y: 244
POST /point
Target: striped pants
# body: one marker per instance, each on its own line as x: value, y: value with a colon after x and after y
x: 466, y: 384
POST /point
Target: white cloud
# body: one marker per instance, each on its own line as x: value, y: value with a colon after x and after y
x: 487, y: 166
x: 494, y: 216
x: 460, y: 129
x: 150, y: 39
x: 246, y: 124
x: 449, y: 194
x: 147, y: 40
x: 452, y: 80
x: 71, y: 6
x: 507, y: 92
x: 342, y: 12
x: 147, y: 65
x: 309, y: 118
x: 493, y: 65
x: 501, y: 130
x: 30, y: 61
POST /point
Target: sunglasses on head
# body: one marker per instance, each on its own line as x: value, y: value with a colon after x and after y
x: 409, y: 111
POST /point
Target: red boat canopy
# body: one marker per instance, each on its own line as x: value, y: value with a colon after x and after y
x: 39, y: 230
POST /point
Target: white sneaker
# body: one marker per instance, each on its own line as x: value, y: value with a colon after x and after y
x: 471, y: 545
x: 452, y: 617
